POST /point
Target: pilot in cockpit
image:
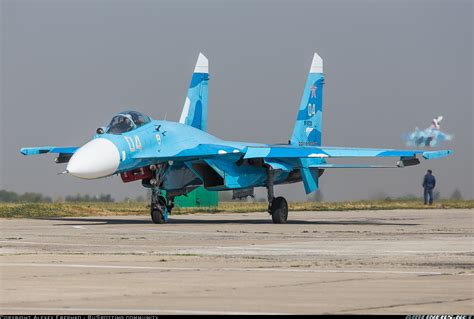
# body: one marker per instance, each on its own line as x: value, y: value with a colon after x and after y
x: 125, y: 124
x: 120, y: 124
x: 127, y: 121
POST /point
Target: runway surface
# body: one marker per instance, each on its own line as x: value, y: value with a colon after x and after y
x: 377, y: 262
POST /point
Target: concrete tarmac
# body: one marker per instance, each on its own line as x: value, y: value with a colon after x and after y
x: 369, y: 262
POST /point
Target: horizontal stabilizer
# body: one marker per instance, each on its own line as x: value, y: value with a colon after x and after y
x: 351, y: 166
x: 436, y: 154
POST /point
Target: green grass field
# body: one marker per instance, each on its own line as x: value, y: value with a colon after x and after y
x: 39, y: 210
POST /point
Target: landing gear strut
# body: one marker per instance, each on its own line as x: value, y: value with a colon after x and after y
x: 160, y: 206
x: 277, y: 207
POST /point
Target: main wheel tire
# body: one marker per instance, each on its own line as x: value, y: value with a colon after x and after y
x: 159, y: 211
x: 157, y: 217
x: 279, y: 210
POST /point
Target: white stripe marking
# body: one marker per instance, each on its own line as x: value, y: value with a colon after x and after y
x: 234, y: 269
x: 185, y: 111
x: 67, y: 244
x: 317, y: 155
x: 132, y: 310
x: 316, y: 64
x: 271, y: 249
x: 98, y: 266
x: 202, y: 64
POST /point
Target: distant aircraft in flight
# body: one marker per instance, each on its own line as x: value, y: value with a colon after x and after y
x: 431, y: 136
x: 178, y: 157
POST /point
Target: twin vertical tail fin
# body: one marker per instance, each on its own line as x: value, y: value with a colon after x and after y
x: 307, y: 130
x: 195, y: 106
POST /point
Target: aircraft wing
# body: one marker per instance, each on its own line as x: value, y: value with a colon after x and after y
x: 337, y: 152
x: 48, y: 149
x: 201, y: 151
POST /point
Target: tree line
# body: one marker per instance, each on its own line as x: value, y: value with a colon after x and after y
x: 30, y: 197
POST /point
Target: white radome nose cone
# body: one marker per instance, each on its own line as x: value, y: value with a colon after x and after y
x: 97, y: 158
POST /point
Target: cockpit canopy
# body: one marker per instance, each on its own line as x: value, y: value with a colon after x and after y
x: 127, y: 121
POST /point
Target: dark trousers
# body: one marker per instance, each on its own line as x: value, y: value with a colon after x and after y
x: 428, y: 192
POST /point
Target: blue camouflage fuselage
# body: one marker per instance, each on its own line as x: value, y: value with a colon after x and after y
x: 193, y: 157
x: 175, y: 143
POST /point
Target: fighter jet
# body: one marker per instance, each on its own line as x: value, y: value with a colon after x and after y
x: 432, y: 136
x: 173, y: 158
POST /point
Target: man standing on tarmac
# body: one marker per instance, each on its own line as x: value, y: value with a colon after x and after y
x: 429, y: 183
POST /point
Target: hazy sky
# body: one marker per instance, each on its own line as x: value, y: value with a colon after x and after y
x: 68, y: 66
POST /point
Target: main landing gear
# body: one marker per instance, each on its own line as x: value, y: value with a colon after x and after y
x: 160, y: 205
x: 277, y: 207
